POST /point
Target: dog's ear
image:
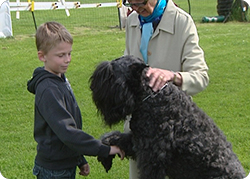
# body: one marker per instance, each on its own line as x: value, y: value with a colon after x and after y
x: 101, y: 76
x: 137, y: 67
x: 101, y: 81
x: 110, y: 92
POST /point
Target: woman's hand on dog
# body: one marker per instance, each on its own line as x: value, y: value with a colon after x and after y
x: 159, y: 77
x: 117, y: 150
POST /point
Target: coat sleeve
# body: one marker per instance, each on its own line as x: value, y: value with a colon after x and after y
x: 194, y: 68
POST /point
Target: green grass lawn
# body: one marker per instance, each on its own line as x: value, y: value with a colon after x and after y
x: 226, y: 99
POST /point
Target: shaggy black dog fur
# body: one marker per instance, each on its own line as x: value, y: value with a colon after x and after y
x: 170, y: 136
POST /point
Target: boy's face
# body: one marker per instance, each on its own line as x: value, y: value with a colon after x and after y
x: 57, y: 59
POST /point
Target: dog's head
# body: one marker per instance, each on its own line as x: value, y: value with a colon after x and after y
x: 114, y: 86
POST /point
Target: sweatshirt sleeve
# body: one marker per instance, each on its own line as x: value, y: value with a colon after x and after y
x: 62, y: 123
x: 81, y: 161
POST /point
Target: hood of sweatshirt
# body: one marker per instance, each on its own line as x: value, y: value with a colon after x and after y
x: 40, y: 74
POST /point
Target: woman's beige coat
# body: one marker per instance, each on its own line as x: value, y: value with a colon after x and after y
x: 174, y: 46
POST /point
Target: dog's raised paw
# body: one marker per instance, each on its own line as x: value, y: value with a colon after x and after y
x: 106, y: 162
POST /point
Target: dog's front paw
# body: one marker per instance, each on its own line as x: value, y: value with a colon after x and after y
x: 106, y: 162
x: 111, y: 139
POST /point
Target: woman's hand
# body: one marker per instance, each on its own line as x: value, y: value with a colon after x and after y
x: 159, y: 77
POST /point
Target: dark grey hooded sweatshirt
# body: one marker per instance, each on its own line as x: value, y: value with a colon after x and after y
x: 61, y: 143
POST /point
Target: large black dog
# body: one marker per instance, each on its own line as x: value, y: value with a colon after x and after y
x: 170, y: 136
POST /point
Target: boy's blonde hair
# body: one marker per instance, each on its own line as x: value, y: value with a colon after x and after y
x: 50, y: 34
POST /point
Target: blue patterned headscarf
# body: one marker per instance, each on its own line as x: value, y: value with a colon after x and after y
x: 147, y: 26
x: 158, y: 11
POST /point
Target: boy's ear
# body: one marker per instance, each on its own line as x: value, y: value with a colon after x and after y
x: 41, y: 55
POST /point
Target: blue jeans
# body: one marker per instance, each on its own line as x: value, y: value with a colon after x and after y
x: 42, y: 173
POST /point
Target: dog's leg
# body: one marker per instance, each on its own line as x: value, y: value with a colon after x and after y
x: 122, y: 140
x: 151, y: 165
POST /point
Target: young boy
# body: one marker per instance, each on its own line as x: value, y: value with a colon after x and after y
x: 61, y: 143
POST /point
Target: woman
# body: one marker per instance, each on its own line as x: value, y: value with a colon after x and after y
x: 166, y: 38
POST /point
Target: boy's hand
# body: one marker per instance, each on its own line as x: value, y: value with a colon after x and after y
x: 84, y: 170
x: 117, y: 150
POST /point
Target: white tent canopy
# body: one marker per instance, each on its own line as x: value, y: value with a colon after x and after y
x: 5, y: 19
x: 248, y: 2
